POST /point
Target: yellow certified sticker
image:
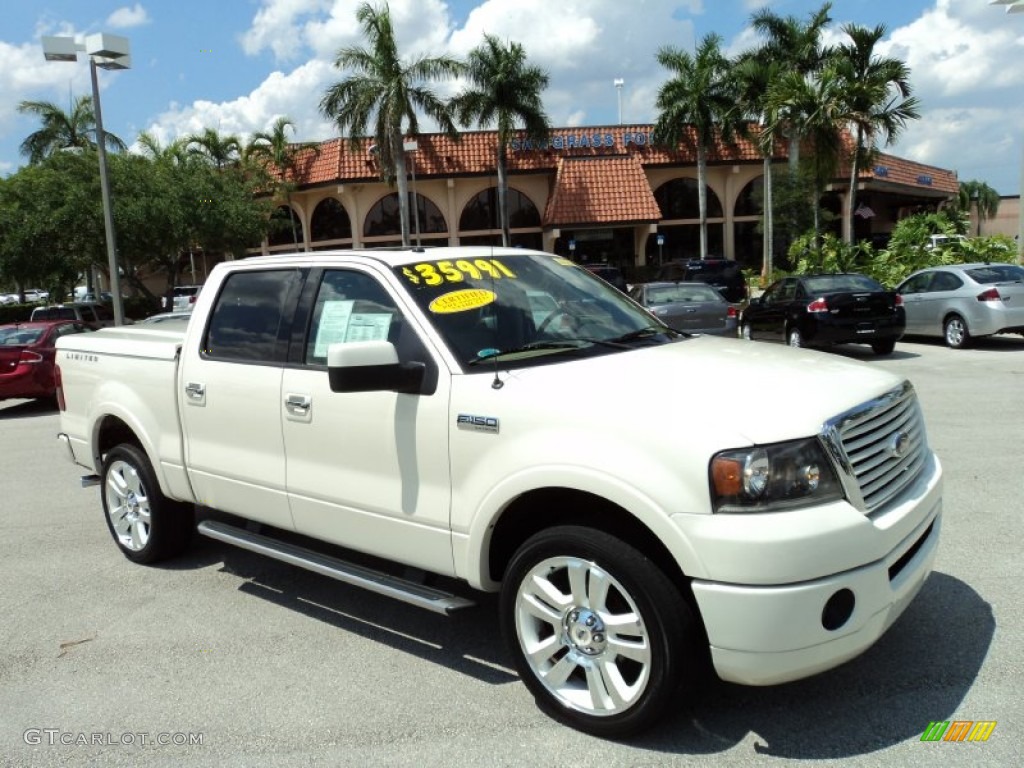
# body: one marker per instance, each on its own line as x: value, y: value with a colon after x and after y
x: 462, y: 301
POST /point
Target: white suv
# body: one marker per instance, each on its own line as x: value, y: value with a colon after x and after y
x: 185, y: 297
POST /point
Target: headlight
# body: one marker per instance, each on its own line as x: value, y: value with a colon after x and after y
x: 770, y: 478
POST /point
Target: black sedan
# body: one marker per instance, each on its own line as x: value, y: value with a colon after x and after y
x: 688, y: 307
x: 820, y: 310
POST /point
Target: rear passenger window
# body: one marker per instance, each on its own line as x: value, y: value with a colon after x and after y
x: 249, y: 322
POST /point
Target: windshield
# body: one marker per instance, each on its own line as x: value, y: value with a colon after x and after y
x: 526, y: 307
x: 11, y: 337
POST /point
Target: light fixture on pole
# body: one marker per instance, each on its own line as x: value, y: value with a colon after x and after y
x: 407, y: 147
x: 619, y: 82
x: 1012, y: 6
x: 107, y: 52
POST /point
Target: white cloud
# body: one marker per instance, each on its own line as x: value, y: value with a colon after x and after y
x: 125, y: 18
x: 278, y: 95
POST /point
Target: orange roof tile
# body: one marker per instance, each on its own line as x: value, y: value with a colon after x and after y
x: 596, y: 190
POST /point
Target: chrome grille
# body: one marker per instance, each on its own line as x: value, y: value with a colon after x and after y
x: 881, y: 447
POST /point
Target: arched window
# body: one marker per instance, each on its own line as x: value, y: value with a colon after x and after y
x: 750, y: 201
x: 678, y: 199
x: 481, y: 213
x: 285, y: 227
x: 330, y: 221
x: 384, y: 218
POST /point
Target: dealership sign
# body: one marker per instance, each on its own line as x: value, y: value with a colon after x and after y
x: 585, y: 141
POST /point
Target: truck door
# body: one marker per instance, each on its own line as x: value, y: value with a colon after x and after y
x: 366, y: 470
x: 230, y: 397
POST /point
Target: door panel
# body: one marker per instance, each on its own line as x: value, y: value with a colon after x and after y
x: 367, y: 470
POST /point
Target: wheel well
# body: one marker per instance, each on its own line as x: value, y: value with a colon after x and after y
x: 113, y: 432
x: 548, y: 507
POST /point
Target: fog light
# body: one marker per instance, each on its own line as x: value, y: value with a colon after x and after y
x: 837, y: 610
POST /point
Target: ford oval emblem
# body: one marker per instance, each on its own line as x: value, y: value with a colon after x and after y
x: 898, y: 444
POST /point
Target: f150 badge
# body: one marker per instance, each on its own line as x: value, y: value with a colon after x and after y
x: 477, y: 423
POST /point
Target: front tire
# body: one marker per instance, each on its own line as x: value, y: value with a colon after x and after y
x: 955, y: 332
x: 795, y: 339
x: 147, y: 526
x: 746, y: 333
x: 599, y: 634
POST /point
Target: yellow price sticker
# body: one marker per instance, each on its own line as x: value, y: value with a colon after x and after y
x: 462, y: 301
x: 458, y: 271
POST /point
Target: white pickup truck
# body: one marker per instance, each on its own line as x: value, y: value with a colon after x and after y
x: 647, y: 503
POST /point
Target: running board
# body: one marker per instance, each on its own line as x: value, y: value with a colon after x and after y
x: 358, y: 576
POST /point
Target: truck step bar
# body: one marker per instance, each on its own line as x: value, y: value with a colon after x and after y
x: 385, y: 584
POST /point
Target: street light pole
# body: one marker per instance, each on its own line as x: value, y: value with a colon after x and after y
x: 619, y: 82
x: 412, y: 146
x: 108, y: 208
x: 1017, y: 6
x: 108, y: 52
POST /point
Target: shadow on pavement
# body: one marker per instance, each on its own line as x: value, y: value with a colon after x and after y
x: 27, y: 409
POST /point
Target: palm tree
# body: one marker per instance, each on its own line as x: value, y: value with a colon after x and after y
x: 695, y: 106
x: 980, y: 194
x: 504, y: 91
x: 815, y: 107
x: 796, y: 47
x: 174, y: 153
x: 879, y: 104
x: 387, y: 91
x: 214, y: 148
x: 278, y: 155
x: 63, y: 130
x: 753, y: 74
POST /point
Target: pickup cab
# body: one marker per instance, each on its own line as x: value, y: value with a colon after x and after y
x: 445, y: 411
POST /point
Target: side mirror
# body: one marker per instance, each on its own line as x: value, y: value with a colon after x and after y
x: 371, y: 366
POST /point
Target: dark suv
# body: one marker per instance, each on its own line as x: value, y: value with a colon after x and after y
x: 723, y: 274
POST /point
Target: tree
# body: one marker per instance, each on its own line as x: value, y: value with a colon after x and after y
x: 753, y: 74
x: 878, y: 101
x: 216, y: 149
x: 278, y: 157
x: 796, y: 47
x: 695, y: 107
x: 981, y: 194
x: 504, y: 91
x: 387, y: 91
x: 63, y: 130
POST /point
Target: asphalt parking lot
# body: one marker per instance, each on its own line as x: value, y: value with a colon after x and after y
x: 236, y: 660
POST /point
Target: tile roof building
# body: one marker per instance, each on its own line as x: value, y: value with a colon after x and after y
x: 604, y: 193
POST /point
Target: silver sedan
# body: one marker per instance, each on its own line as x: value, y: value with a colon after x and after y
x: 688, y: 306
x: 964, y: 301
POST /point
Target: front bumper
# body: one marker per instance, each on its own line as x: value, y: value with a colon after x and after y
x: 763, y: 635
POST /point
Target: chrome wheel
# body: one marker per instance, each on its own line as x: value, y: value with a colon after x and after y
x: 745, y: 332
x: 146, y: 525
x: 128, y: 506
x: 583, y: 636
x: 956, y: 332
x: 794, y: 339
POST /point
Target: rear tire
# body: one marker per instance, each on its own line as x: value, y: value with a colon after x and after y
x: 955, y: 332
x: 883, y: 347
x: 745, y: 332
x: 147, y: 526
x: 600, y: 635
x: 795, y: 339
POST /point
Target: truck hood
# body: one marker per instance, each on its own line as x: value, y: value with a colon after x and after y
x: 760, y: 392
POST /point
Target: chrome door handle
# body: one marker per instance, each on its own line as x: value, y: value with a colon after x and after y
x: 299, y: 403
x: 195, y: 390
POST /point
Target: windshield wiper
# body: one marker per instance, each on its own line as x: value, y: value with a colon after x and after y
x: 645, y: 333
x: 552, y: 344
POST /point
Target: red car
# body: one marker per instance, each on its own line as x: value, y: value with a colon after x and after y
x: 27, y: 354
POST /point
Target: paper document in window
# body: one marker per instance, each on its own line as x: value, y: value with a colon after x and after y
x: 338, y: 323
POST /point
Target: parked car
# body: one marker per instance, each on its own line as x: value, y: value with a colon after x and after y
x: 688, y: 307
x: 35, y: 294
x: 819, y: 310
x: 723, y: 274
x: 83, y: 311
x: 26, y: 356
x: 609, y: 274
x: 167, y: 317
x: 964, y: 301
x: 183, y: 298
x: 8, y: 298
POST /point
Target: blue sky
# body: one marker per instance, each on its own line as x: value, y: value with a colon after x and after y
x: 236, y: 65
